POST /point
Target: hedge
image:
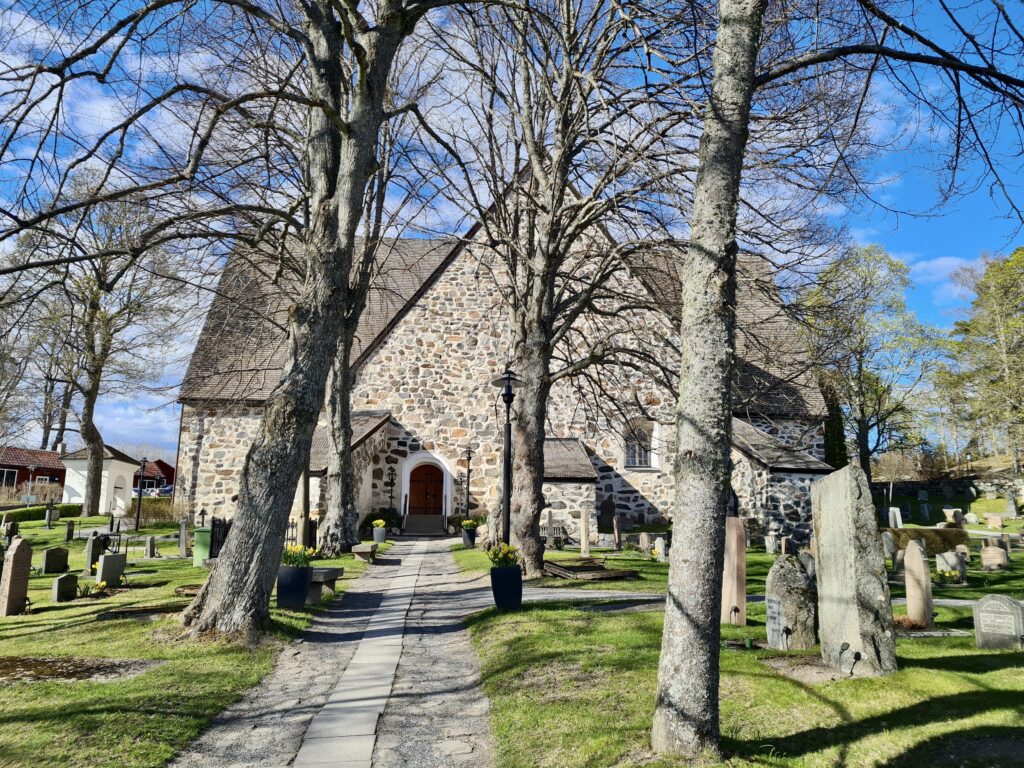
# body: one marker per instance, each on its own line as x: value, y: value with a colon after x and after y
x: 39, y: 513
x: 935, y: 540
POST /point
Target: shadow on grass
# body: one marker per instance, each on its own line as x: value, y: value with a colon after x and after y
x: 977, y: 663
x: 982, y: 746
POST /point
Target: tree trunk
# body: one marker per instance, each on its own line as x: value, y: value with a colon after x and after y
x: 235, y: 598
x: 49, y: 385
x: 864, y: 447
x: 686, y: 713
x: 62, y: 419
x: 531, y: 363
x: 94, y: 452
x: 340, y: 529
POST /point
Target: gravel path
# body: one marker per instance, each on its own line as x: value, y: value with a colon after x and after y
x: 265, y: 728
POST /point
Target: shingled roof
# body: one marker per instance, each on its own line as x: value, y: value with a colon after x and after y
x: 242, y: 350
x: 565, y: 459
x: 30, y: 457
x: 364, y: 424
x: 109, y: 452
x: 772, y: 453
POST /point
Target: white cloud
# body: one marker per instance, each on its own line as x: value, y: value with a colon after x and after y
x: 937, y: 270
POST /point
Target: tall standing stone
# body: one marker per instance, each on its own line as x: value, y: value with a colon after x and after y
x: 918, y: 579
x: 183, y: 538
x: 93, y: 549
x: 734, y: 574
x: 1005, y: 544
x: 771, y: 543
x: 790, y: 605
x: 660, y: 551
x: 69, y: 530
x: 617, y: 531
x: 14, y: 581
x: 854, y: 608
x: 889, y: 547
x: 895, y: 517
x: 645, y: 543
x: 151, y: 550
x: 925, y: 512
x: 585, y: 532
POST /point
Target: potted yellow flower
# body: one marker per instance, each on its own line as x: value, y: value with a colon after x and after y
x: 380, y: 532
x: 294, y: 577
x: 469, y: 533
x: 506, y: 577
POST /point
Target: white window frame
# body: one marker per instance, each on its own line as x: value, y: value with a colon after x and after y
x: 653, y: 430
x: 3, y: 478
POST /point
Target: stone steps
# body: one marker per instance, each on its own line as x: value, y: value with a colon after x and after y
x: 424, y: 524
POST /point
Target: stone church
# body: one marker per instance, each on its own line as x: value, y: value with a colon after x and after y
x: 433, y: 337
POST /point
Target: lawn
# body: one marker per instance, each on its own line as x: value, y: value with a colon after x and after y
x: 576, y: 688
x: 131, y: 722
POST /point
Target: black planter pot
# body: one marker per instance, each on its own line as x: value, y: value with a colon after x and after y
x: 380, y: 535
x: 469, y: 537
x: 293, y: 586
x: 507, y: 587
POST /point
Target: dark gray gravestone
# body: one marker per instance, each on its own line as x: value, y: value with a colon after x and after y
x: 65, y: 588
x: 51, y: 515
x: 922, y: 495
x: 952, y: 561
x: 93, y: 549
x: 1004, y: 542
x: 151, y: 550
x: 1011, y: 505
x: 111, y: 569
x: 183, y: 538
x: 790, y: 605
x: 69, y: 530
x: 55, y: 560
x: 925, y: 512
x: 998, y: 622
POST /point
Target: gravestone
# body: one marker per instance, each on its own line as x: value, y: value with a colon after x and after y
x: 69, y: 530
x: 925, y: 512
x: 734, y: 574
x: 606, y: 513
x: 51, y: 515
x: 1011, y: 505
x: 55, y: 560
x: 645, y: 543
x: 807, y: 561
x: 889, y: 548
x: 971, y: 519
x: 64, y: 588
x: 998, y: 622
x: 93, y: 550
x: 918, y: 579
x: 922, y: 495
x: 788, y: 546
x: 151, y: 550
x: 994, y: 559
x: 964, y: 551
x: 897, y: 563
x: 854, y: 607
x: 550, y: 531
x: 659, y: 549
x: 905, y: 512
x: 791, y: 605
x: 183, y: 538
x: 895, y: 517
x: 1004, y: 543
x: 952, y: 561
x: 617, y: 531
x: 771, y: 543
x: 14, y: 581
x: 972, y: 492
x: 111, y: 569
x: 10, y: 531
x: 994, y: 522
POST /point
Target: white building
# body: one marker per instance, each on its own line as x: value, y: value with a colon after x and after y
x: 116, y: 483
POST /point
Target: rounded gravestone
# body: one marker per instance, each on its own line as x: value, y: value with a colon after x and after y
x: 791, y: 605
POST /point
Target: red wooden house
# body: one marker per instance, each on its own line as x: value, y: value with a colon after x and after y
x: 18, y: 465
x: 158, y: 474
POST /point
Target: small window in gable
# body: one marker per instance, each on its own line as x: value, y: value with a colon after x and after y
x: 639, y: 439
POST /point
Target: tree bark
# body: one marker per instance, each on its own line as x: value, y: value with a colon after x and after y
x: 863, y: 447
x: 49, y: 385
x: 235, y: 598
x: 94, y: 452
x: 340, y: 529
x: 62, y: 420
x: 687, y: 713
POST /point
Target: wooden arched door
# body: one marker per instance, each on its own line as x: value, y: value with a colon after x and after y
x: 426, y: 490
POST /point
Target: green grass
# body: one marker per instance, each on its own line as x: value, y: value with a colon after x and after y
x: 133, y: 722
x: 574, y: 688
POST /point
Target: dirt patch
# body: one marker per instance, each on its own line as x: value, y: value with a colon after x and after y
x: 809, y: 670
x: 27, y: 669
x: 142, y: 612
x: 188, y: 590
x: 559, y: 681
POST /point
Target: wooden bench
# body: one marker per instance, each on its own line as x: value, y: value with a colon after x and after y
x: 365, y: 552
x: 323, y: 577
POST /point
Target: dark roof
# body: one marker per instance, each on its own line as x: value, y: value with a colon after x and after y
x: 242, y: 350
x: 108, y: 453
x: 565, y: 458
x: 364, y: 424
x: 771, y: 452
x: 157, y: 468
x: 30, y: 457
x: 773, y: 377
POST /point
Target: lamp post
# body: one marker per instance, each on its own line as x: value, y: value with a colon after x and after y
x: 391, y: 491
x: 138, y: 506
x: 469, y: 468
x: 508, y: 382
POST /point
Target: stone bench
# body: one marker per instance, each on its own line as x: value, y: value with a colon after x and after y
x: 322, y: 577
x: 365, y: 552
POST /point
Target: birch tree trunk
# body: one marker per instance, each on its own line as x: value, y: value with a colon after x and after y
x: 339, y: 532
x: 686, y: 714
x: 235, y: 598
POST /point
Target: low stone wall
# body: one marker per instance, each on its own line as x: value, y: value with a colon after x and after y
x: 568, y: 502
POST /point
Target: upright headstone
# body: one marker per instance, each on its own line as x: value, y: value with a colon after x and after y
x: 550, y: 531
x: 69, y: 530
x: 807, y: 561
x: 617, y: 531
x: 895, y: 517
x: 606, y: 513
x: 14, y: 581
x: 925, y: 512
x: 919, y: 585
x: 771, y: 543
x: 64, y: 588
x: 10, y: 531
x: 151, y: 550
x: 55, y: 560
x: 994, y: 522
x: 970, y: 518
x: 659, y: 549
x: 585, y: 532
x: 998, y: 622
x: 790, y: 605
x: 953, y: 516
x: 889, y: 547
x: 922, y: 495
x: 734, y: 574
x: 897, y: 563
x: 994, y: 559
x: 111, y: 569
x: 952, y: 561
x: 645, y: 543
x: 48, y: 515
x: 93, y: 550
x: 1005, y: 545
x: 964, y: 551
x: 1011, y: 504
x: 854, y: 608
x: 788, y: 546
x: 183, y: 538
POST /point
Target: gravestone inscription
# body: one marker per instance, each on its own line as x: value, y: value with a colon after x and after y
x: 994, y: 559
x: 998, y: 622
x: 14, y: 581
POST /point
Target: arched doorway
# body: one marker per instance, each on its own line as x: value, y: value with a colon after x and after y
x: 426, y: 490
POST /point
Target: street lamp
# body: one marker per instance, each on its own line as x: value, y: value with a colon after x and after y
x: 138, y: 506
x: 469, y: 468
x: 391, y: 491
x: 508, y: 383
